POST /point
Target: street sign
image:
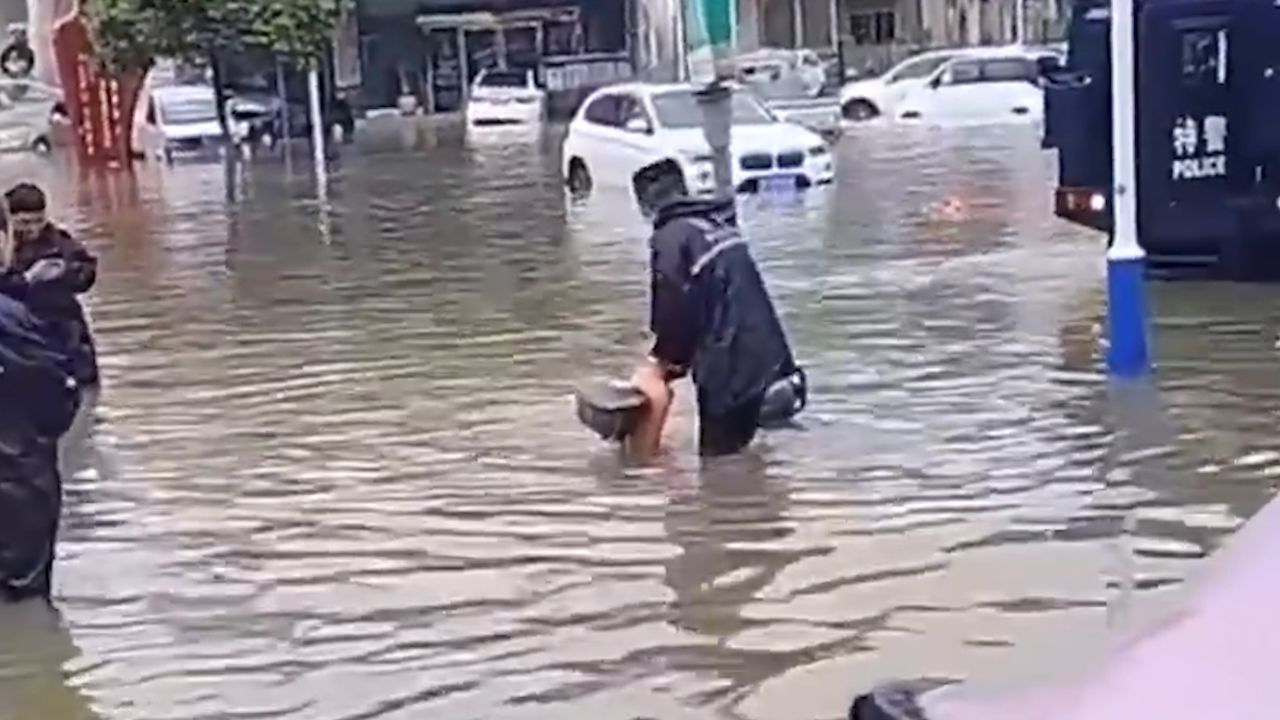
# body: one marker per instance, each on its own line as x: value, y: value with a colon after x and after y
x: 710, y: 39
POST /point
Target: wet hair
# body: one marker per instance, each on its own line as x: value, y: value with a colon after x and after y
x: 658, y: 184
x: 25, y: 198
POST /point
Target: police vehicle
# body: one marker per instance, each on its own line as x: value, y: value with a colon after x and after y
x: 1208, y: 143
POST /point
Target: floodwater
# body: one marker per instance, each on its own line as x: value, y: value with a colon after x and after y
x: 334, y: 472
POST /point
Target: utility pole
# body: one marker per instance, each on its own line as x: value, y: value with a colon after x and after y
x: 1127, y: 357
x: 709, y: 32
x: 317, y: 131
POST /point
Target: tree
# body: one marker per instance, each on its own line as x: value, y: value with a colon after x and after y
x: 134, y: 33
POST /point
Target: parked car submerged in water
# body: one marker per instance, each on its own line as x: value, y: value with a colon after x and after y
x: 997, y: 86
x: 623, y: 128
x: 505, y: 97
x: 784, y: 74
x: 183, y: 120
x: 268, y: 120
x: 874, y: 97
x: 30, y: 112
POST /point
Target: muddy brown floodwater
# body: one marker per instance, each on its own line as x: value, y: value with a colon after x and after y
x: 334, y: 473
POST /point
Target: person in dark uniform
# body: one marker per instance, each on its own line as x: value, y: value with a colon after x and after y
x: 39, y: 399
x: 711, y: 316
x: 47, y: 269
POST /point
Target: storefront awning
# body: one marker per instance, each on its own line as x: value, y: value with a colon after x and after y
x: 496, y: 19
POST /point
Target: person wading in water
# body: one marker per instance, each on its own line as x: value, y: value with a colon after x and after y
x: 711, y: 316
x: 39, y: 398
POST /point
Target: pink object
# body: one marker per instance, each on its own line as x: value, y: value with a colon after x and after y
x: 1215, y: 659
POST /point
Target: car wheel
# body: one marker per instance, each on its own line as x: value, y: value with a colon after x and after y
x: 579, y: 177
x: 859, y: 110
x: 42, y: 145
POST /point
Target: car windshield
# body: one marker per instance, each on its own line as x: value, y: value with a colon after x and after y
x: 190, y: 109
x: 678, y: 110
x: 504, y: 79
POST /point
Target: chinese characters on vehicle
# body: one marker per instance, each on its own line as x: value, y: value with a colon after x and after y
x: 1199, y: 148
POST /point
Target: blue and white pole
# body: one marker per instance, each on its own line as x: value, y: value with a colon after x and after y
x: 1128, y: 355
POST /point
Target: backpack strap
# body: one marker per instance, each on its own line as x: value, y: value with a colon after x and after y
x: 721, y: 237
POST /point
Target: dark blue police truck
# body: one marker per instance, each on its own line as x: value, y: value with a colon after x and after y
x: 1207, y: 126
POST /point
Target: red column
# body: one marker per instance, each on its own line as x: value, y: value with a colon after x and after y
x: 101, y: 105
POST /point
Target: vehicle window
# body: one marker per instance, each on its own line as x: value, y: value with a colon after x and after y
x: 1009, y: 70
x: 629, y: 108
x: 504, y: 79
x: 968, y: 72
x: 762, y: 72
x: 151, y: 113
x: 604, y: 110
x: 188, y: 110
x: 963, y: 72
x: 678, y: 109
x: 1049, y: 64
x: 1204, y: 56
x: 917, y: 69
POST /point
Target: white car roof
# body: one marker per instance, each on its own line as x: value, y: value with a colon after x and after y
x: 982, y: 51
x: 650, y: 89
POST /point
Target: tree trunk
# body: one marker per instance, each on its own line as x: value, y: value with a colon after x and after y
x: 219, y: 97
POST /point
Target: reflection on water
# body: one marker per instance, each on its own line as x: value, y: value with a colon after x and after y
x: 334, y: 472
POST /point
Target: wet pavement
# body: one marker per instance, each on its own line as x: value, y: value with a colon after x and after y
x: 334, y: 472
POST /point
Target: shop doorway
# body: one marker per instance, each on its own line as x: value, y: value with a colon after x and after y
x: 461, y: 46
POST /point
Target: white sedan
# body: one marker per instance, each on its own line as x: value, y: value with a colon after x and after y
x: 996, y: 88
x: 505, y: 97
x: 624, y: 128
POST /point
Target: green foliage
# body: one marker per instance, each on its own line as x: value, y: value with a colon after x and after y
x: 133, y: 33
x: 296, y: 28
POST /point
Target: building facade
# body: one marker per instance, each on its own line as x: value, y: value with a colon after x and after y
x: 876, y: 33
x: 426, y: 53
x: 871, y: 34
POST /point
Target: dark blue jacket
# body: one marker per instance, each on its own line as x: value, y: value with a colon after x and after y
x: 711, y: 313
x: 38, y: 401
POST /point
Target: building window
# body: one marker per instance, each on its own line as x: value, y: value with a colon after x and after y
x: 873, y: 28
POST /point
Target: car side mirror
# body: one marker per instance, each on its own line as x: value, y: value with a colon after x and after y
x: 935, y: 83
x: 637, y: 125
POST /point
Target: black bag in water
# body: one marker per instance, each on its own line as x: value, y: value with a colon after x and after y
x: 610, y: 408
x: 784, y: 399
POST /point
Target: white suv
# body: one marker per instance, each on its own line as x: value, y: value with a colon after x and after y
x: 623, y: 128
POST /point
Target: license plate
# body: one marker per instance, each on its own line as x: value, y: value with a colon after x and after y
x: 778, y: 184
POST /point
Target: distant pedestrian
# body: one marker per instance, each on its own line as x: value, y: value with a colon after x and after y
x: 46, y: 269
x: 39, y: 399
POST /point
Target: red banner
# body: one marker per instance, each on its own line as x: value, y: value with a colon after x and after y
x: 101, y: 106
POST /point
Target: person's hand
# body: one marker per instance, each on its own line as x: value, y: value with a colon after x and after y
x: 46, y: 270
x: 650, y: 378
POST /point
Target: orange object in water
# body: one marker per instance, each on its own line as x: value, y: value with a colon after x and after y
x: 100, y: 105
